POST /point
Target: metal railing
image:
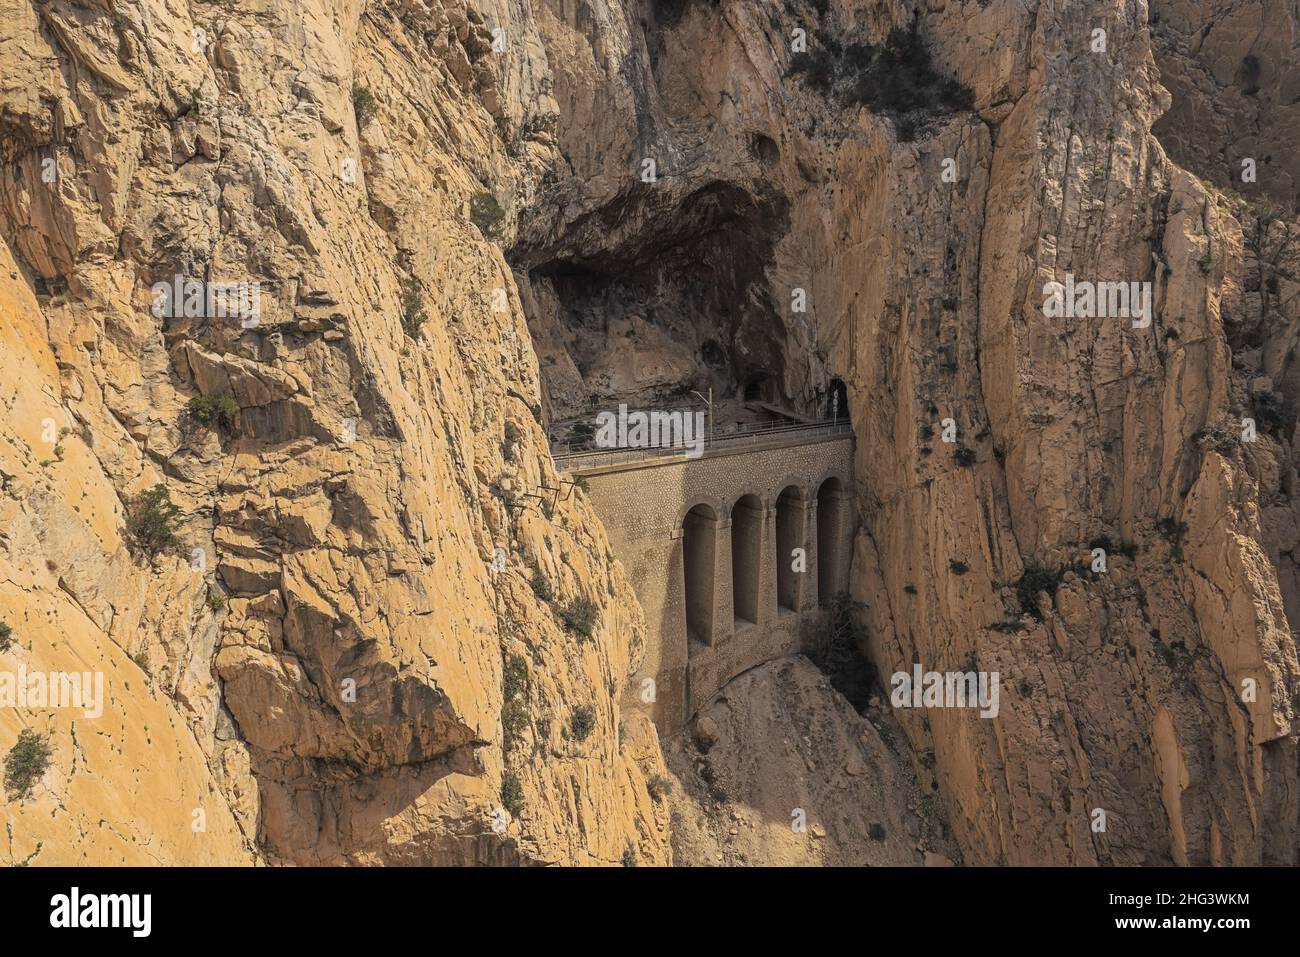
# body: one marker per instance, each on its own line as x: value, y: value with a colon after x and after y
x: 761, y: 433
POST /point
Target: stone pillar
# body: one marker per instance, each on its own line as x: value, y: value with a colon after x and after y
x: 767, y: 566
x: 833, y: 548
x: 706, y: 578
x: 807, y: 587
x: 724, y: 624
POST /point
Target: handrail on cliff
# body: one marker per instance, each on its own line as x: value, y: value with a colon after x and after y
x: 569, y: 459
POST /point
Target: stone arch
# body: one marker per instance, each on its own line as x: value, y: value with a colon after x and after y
x: 711, y: 502
x: 699, y: 562
x: 746, y: 557
x: 791, y: 512
x: 832, y: 536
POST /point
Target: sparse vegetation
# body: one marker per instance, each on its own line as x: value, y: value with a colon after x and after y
x: 502, y: 494
x: 1110, y: 547
x: 658, y: 787
x: 1173, y: 532
x: 957, y: 566
x: 839, y: 652
x: 510, y: 441
x: 1035, y: 580
x: 1267, y: 409
x: 877, y: 832
x: 512, y: 794
x: 541, y: 585
x: 363, y: 102
x: 486, y: 213
x: 582, y: 722
x: 1217, y: 437
x: 514, y: 710
x: 1206, y: 262
x: 964, y: 457
x: 213, y: 411
x: 152, y: 520
x: 629, y: 857
x: 580, y: 616
x: 26, y: 762
x: 6, y: 636
x: 412, y: 302
x: 896, y: 78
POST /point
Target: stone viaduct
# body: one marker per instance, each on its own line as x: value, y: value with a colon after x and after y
x: 710, y: 545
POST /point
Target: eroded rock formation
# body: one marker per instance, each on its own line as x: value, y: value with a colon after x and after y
x: 350, y: 671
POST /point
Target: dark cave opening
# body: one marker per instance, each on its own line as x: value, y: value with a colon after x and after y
x: 648, y: 298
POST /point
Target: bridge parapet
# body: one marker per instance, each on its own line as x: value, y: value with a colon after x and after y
x: 763, y: 435
x: 733, y: 555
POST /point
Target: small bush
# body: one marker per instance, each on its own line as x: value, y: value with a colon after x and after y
x: 216, y: 601
x: 958, y: 567
x: 512, y: 794
x: 658, y: 786
x: 412, y: 302
x: 152, y: 520
x: 6, y: 636
x: 1173, y: 532
x: 1269, y: 417
x: 1206, y: 262
x: 1036, y: 579
x: 514, y: 676
x: 629, y: 857
x: 964, y: 457
x: 514, y: 692
x: 503, y: 494
x: 213, y: 411
x: 1007, y: 627
x: 877, y: 832
x: 580, y: 616
x: 26, y: 761
x: 582, y: 722
x: 910, y: 589
x: 896, y: 78
x: 510, y: 442
x: 542, y: 585
x: 582, y: 483
x: 1220, y: 438
x: 486, y: 213
x: 363, y: 102
x: 838, y: 651
x: 1110, y: 547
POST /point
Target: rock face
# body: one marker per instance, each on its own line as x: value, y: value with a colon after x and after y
x: 780, y: 770
x: 329, y: 638
x: 357, y: 649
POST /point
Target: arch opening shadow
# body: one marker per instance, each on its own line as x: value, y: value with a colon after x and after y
x: 699, y: 544
x: 789, y: 536
x: 829, y: 548
x: 746, y: 535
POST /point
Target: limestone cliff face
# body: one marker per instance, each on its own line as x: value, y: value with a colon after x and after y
x: 350, y: 671
x: 924, y: 257
x: 326, y: 675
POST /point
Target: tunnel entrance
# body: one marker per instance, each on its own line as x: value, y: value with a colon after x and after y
x: 829, y: 550
x: 746, y: 534
x: 699, y: 537
x: 789, y: 536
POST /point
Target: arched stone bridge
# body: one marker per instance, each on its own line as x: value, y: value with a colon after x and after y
x: 709, y: 546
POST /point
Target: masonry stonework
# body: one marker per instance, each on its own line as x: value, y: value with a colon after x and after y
x: 726, y: 504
